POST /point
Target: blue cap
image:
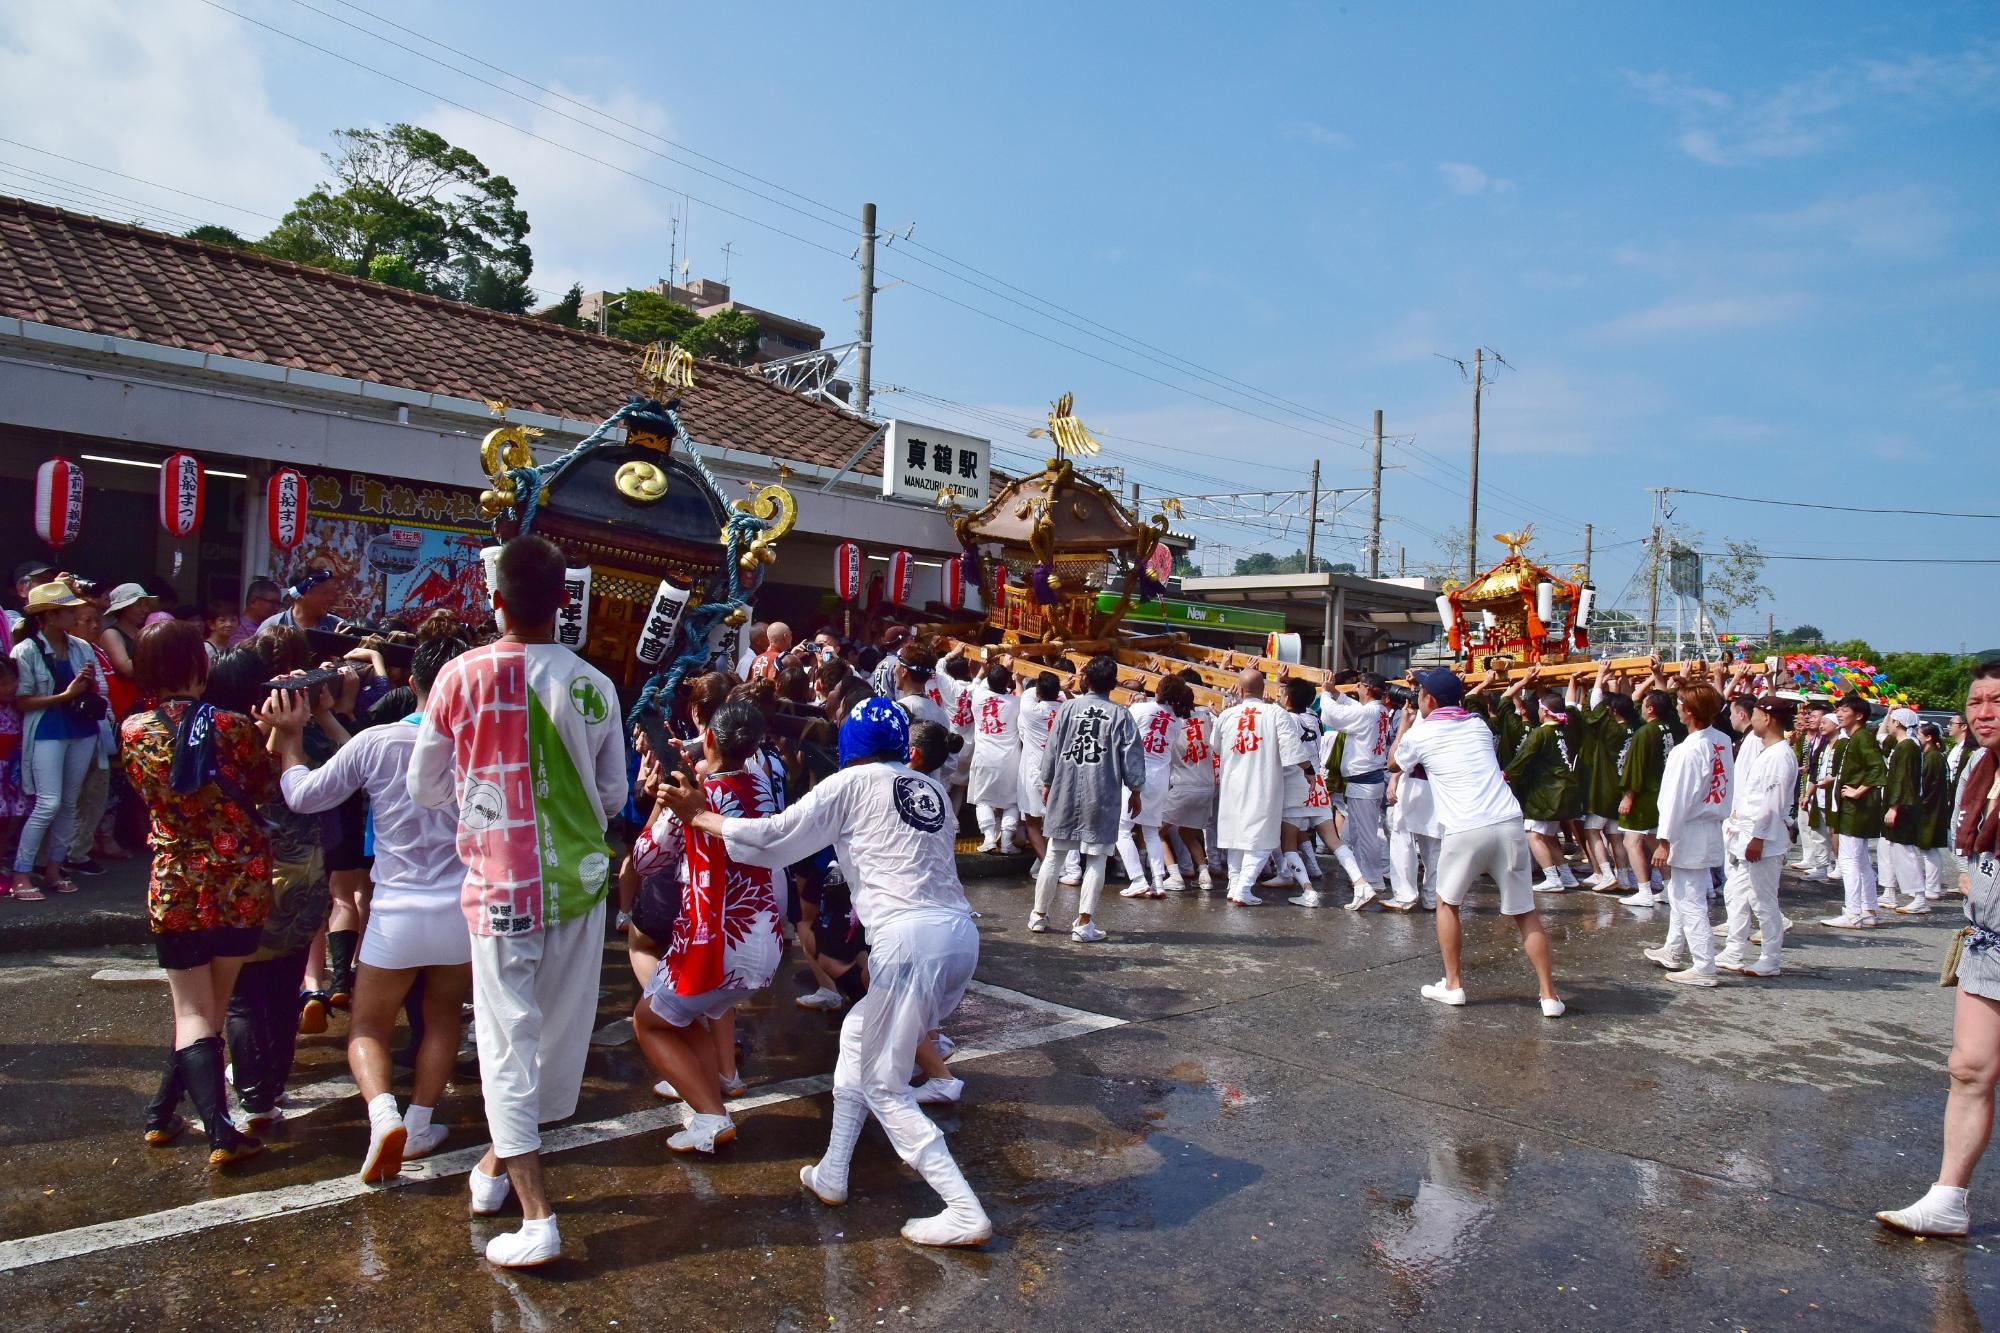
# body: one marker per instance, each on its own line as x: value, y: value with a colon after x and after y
x: 1441, y: 684
x: 874, y: 727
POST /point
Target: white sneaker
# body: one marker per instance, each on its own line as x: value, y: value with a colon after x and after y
x: 1401, y: 904
x: 488, y: 1192
x: 1275, y: 881
x: 1664, y: 956
x: 941, y: 1092
x: 1175, y: 882
x: 822, y: 998
x: 1139, y: 889
x: 1307, y: 898
x: 1692, y: 976
x: 990, y: 845
x: 666, y: 1091
x: 1246, y: 899
x: 1721, y: 932
x: 1364, y: 894
x: 1205, y: 878
x: 1729, y: 962
x: 537, y: 1242
x: 1085, y: 932
x: 809, y: 1177
x: 1602, y: 882
x: 425, y: 1141
x: 1070, y: 881
x: 1917, y: 907
x: 1643, y: 898
x: 1845, y: 921
x: 1444, y: 994
x: 734, y: 1087
x: 1553, y: 1008
x: 1941, y: 1212
x: 704, y: 1133
x: 1038, y: 922
x: 385, y: 1151
x: 1816, y: 877
x: 1035, y: 869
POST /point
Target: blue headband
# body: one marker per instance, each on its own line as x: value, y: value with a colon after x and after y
x: 307, y: 581
x: 874, y: 727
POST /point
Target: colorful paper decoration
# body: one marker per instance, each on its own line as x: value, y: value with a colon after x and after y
x: 181, y: 482
x: 847, y: 571
x: 900, y: 565
x: 58, y: 501
x: 285, y: 508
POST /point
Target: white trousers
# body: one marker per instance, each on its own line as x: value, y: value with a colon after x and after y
x: 1885, y: 869
x: 998, y: 823
x: 1243, y: 870
x: 1857, y: 877
x: 1933, y: 858
x: 1815, y: 851
x: 1060, y: 849
x: 1363, y: 834
x: 1129, y: 837
x: 534, y: 1005
x: 1751, y: 890
x: 1688, y: 926
x: 1413, y: 866
x: 1906, y: 864
x: 919, y: 962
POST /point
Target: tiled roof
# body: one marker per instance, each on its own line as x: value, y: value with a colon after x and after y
x: 105, y: 277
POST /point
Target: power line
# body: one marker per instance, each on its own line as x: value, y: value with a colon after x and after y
x: 238, y: 208
x: 1863, y: 559
x: 930, y: 291
x: 1844, y: 509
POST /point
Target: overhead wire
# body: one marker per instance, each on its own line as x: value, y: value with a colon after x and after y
x: 1843, y: 509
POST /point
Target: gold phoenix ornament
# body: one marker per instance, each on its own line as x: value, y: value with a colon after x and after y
x: 1066, y: 429
x: 665, y: 370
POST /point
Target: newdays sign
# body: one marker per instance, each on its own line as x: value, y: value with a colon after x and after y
x: 918, y: 462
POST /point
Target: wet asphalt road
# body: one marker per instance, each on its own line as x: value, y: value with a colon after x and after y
x: 1266, y: 1127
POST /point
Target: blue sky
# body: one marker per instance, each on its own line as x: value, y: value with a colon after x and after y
x: 1745, y: 249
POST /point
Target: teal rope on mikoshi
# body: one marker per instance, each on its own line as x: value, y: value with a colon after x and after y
x: 701, y: 621
x: 529, y: 481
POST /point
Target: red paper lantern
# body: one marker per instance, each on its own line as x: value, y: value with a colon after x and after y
x: 181, y: 479
x: 58, y: 501
x: 285, y: 508
x: 954, y: 582
x: 900, y: 565
x: 847, y: 571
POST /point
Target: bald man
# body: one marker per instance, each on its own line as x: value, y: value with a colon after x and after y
x: 757, y: 641
x: 778, y: 638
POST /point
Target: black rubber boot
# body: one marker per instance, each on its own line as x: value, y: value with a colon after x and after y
x: 160, y: 1112
x: 340, y: 946
x: 201, y: 1073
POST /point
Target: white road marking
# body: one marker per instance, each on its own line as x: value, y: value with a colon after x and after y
x: 117, y: 975
x: 208, y: 1214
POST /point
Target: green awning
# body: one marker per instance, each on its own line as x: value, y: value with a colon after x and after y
x: 1198, y: 615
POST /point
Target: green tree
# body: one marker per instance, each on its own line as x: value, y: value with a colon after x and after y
x: 405, y: 193
x: 1185, y: 567
x: 564, y: 312
x: 215, y: 235
x: 1733, y: 580
x: 732, y: 336
x: 643, y: 316
x: 1263, y: 562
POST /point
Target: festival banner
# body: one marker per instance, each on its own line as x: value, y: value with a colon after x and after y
x: 663, y: 622
x: 405, y: 549
x: 573, y: 618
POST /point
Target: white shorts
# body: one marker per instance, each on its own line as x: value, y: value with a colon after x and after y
x: 1548, y: 828
x: 677, y: 1010
x: 1595, y: 823
x: 1642, y: 832
x: 1306, y: 818
x: 1498, y: 850
x: 416, y: 930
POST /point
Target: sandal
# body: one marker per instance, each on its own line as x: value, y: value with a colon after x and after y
x: 25, y: 890
x: 60, y: 885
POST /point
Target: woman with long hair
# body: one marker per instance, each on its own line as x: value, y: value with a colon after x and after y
x: 202, y: 773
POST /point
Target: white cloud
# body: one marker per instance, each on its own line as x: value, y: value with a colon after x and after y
x: 1907, y: 223
x: 1320, y: 136
x: 1799, y: 117
x: 587, y: 218
x: 1704, y: 315
x: 1464, y: 178
x: 171, y: 93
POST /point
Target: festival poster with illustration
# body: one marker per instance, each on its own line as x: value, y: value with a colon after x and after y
x: 405, y: 548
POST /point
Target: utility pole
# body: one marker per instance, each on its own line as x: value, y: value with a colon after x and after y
x: 1402, y: 565
x: 1375, y: 507
x: 1312, y: 519
x: 1653, y: 577
x: 863, y: 353
x: 1586, y: 552
x: 1472, y: 510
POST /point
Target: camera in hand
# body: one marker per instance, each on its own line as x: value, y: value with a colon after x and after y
x: 305, y: 682
x: 1399, y: 696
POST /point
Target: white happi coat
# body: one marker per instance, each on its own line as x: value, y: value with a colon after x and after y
x: 1760, y: 802
x: 1038, y: 715
x: 1257, y: 742
x: 1694, y: 798
x: 996, y: 749
x: 1156, y: 723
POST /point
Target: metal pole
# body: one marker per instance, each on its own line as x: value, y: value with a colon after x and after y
x: 1653, y: 584
x: 1339, y: 630
x: 1375, y: 507
x: 864, y: 352
x: 1312, y: 519
x: 1586, y: 552
x: 1326, y: 633
x: 1472, y: 507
